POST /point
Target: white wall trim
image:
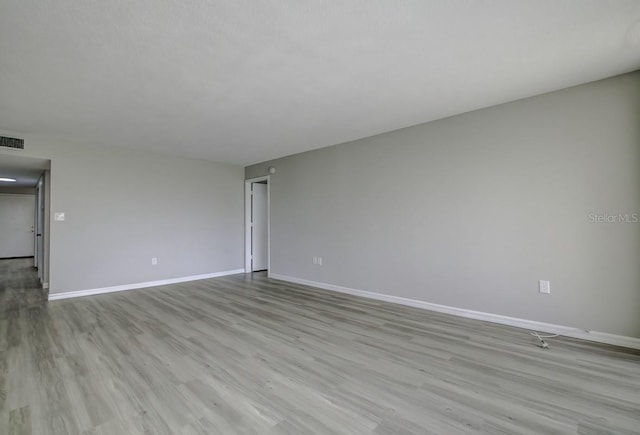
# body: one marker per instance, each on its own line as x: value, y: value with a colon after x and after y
x: 567, y: 331
x: 126, y: 287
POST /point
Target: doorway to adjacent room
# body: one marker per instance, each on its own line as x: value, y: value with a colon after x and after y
x: 257, y: 225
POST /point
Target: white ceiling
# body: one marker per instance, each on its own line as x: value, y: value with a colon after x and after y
x: 244, y: 81
x: 26, y: 171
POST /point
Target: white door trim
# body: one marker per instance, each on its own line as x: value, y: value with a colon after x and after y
x: 40, y: 228
x: 247, y: 221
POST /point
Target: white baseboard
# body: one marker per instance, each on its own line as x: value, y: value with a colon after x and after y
x: 126, y: 287
x: 567, y: 331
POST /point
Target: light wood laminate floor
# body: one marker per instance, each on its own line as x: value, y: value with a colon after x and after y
x: 248, y: 355
x: 19, y: 285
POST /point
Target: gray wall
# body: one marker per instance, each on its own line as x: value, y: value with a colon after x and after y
x: 471, y: 211
x: 17, y: 221
x: 18, y: 190
x: 125, y: 207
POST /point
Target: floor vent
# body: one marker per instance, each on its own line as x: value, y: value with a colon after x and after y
x: 11, y: 142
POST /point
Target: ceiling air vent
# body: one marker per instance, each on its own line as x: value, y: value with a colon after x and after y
x: 11, y: 142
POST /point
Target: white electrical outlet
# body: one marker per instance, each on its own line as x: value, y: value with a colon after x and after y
x: 154, y: 261
x: 58, y: 216
x: 319, y: 261
x: 315, y: 260
x: 544, y: 287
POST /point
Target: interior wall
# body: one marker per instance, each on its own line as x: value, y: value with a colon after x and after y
x: 17, y: 213
x: 124, y: 207
x: 471, y: 211
x: 18, y: 190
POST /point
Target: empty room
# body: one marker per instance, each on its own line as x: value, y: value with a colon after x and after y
x: 320, y: 217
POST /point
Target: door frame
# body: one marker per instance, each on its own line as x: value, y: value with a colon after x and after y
x: 36, y: 221
x: 40, y: 224
x: 247, y: 222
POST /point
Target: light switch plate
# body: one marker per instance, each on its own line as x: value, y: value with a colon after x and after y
x: 544, y: 287
x: 58, y: 216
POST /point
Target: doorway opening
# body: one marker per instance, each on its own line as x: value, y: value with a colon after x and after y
x: 24, y: 241
x: 257, y: 225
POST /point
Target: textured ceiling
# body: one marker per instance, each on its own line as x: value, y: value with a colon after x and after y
x: 243, y: 81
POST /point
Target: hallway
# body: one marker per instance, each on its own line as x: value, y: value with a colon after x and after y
x: 19, y: 284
